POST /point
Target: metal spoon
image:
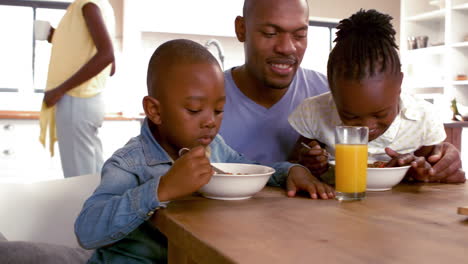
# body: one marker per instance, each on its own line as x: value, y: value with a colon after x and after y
x: 182, y: 151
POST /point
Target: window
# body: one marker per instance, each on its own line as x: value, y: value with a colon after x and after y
x: 24, y: 62
x: 320, y: 42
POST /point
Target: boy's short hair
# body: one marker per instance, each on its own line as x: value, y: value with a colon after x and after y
x: 173, y: 53
x: 365, y: 45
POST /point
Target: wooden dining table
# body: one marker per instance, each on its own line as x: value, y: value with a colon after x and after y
x: 412, y: 223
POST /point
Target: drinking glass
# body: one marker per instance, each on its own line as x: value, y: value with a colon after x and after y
x: 351, y: 162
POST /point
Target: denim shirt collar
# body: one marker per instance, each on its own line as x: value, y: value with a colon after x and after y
x: 153, y: 152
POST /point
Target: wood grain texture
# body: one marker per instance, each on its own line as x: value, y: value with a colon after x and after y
x: 463, y: 210
x: 410, y: 224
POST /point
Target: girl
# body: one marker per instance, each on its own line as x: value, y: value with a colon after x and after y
x: 364, y: 75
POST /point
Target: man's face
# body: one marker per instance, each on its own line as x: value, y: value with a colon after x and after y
x: 372, y: 102
x: 192, y: 106
x: 275, y: 40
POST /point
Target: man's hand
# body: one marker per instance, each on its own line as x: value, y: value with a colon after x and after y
x: 446, y: 164
x: 300, y: 178
x: 187, y: 175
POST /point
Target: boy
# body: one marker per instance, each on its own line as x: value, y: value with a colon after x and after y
x: 184, y: 109
x: 365, y: 77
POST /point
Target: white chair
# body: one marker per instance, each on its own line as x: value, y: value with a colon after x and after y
x: 44, y: 211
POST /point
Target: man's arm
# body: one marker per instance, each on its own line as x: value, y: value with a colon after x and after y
x: 103, y: 57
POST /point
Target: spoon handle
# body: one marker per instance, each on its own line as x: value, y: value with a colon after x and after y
x: 217, y: 170
x: 182, y: 151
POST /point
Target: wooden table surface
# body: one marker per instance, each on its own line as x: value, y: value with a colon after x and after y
x: 409, y: 224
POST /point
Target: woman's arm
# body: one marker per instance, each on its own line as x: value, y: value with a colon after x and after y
x: 103, y: 57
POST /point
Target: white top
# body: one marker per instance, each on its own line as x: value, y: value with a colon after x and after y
x: 416, y: 125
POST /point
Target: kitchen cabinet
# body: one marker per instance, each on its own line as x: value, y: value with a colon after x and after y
x: 22, y: 155
x: 436, y: 71
x: 24, y: 159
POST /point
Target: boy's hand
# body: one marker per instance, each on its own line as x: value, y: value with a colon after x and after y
x: 300, y: 178
x: 313, y: 157
x: 187, y: 175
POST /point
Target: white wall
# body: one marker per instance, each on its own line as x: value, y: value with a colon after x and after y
x: 137, y: 46
x: 339, y: 9
x: 133, y: 46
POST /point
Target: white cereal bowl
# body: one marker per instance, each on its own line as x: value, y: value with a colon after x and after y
x: 245, y: 181
x: 381, y: 179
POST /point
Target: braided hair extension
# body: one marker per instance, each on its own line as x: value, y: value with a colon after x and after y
x: 365, y: 46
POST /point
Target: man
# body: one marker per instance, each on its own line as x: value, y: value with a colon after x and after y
x: 267, y: 88
x: 262, y: 92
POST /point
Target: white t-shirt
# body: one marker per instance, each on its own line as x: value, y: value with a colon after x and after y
x: 417, y: 124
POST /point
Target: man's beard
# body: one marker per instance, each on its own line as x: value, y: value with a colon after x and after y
x: 276, y: 86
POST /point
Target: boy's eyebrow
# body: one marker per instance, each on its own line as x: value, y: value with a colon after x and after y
x: 195, y: 98
x: 201, y: 98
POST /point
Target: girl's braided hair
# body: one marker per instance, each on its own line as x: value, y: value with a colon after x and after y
x: 365, y: 45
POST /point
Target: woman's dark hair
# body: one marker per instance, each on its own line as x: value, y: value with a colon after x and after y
x: 365, y: 45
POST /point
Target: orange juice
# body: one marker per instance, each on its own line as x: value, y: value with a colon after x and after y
x: 351, y: 168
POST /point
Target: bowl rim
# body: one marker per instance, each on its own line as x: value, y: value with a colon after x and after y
x: 332, y: 162
x: 270, y: 172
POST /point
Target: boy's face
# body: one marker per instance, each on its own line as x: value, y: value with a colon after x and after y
x: 372, y: 102
x: 190, y: 106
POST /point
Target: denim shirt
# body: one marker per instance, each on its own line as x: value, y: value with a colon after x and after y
x: 114, y: 219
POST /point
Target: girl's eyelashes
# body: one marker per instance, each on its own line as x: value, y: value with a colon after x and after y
x: 381, y: 115
x: 350, y: 117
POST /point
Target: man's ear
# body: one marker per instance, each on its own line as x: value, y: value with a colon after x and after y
x: 152, y: 109
x: 240, y: 28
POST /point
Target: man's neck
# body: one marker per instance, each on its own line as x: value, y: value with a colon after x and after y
x: 255, y: 90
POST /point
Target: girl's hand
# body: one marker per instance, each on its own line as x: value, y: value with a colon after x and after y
x: 419, y: 170
x: 314, y: 157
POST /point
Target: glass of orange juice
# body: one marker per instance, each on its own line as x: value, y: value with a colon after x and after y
x: 351, y: 162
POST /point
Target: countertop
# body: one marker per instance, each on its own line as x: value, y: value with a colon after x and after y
x: 119, y: 116
x: 34, y: 115
x: 454, y: 124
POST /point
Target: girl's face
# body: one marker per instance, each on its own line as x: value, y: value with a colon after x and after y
x: 372, y: 102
